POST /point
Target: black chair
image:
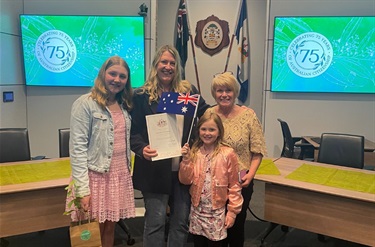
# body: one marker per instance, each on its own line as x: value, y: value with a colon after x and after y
x: 292, y: 144
x: 64, y: 137
x: 293, y: 147
x: 14, y: 145
x: 342, y: 149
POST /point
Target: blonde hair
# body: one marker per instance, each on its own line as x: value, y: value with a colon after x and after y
x: 208, y: 115
x: 99, y: 92
x: 151, y: 86
x: 227, y: 80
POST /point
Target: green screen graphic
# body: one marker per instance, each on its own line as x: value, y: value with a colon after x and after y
x: 69, y: 50
x: 324, y: 54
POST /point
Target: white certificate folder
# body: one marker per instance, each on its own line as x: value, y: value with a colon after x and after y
x: 163, y: 135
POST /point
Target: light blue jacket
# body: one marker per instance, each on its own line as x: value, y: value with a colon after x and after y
x: 91, y: 141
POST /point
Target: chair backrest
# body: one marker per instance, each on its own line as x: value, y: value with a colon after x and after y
x: 342, y: 149
x: 14, y: 145
x: 64, y: 135
x: 288, y: 145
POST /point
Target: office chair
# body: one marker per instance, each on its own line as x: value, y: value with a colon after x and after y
x: 342, y: 149
x: 292, y: 144
x: 14, y: 145
x: 290, y: 147
x: 64, y: 136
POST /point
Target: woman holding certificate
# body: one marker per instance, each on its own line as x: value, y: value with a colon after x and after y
x: 158, y: 180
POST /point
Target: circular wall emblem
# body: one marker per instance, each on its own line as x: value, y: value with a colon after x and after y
x: 55, y: 51
x: 85, y: 235
x: 212, y: 35
x: 309, y: 54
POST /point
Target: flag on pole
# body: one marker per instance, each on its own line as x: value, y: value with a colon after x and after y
x: 243, y: 66
x: 178, y: 103
x: 182, y: 36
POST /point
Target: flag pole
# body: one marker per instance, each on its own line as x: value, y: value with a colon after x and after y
x: 192, y: 122
x: 233, y: 35
x: 229, y: 51
x: 195, y: 62
x: 192, y: 48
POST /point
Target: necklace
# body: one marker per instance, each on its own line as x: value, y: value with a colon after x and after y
x: 208, y: 153
x: 163, y: 89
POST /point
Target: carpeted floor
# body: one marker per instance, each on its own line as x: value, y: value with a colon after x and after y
x: 255, y: 230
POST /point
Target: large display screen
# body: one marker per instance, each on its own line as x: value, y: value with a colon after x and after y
x: 333, y: 54
x: 69, y: 50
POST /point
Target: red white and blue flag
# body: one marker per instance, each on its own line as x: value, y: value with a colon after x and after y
x: 178, y: 103
x: 243, y: 47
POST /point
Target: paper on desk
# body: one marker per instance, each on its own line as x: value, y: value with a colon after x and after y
x: 267, y: 167
x: 29, y: 173
x: 344, y: 179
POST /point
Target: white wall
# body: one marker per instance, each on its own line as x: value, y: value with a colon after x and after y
x: 207, y: 65
x: 315, y: 113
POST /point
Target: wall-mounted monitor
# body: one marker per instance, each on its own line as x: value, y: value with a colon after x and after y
x: 325, y: 54
x: 62, y: 50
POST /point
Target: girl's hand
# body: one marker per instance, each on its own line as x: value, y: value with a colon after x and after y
x: 185, y: 151
x: 229, y: 221
x: 85, y: 203
x: 149, y: 153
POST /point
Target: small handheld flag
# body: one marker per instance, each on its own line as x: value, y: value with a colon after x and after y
x: 178, y: 103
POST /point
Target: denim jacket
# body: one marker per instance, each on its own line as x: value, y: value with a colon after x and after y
x: 91, y: 141
x: 224, y: 182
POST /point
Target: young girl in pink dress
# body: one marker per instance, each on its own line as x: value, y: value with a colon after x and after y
x: 100, y: 149
x: 211, y: 168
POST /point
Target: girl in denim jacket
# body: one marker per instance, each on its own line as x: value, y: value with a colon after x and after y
x: 100, y: 149
x: 211, y: 168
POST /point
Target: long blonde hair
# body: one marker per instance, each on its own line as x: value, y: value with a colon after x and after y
x: 208, y: 115
x: 99, y: 92
x: 151, y: 86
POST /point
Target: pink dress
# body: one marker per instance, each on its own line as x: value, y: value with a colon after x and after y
x: 204, y: 220
x: 112, y: 194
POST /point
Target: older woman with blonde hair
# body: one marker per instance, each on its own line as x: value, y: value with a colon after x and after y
x: 243, y: 132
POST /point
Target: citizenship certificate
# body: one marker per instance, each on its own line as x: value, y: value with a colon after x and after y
x: 163, y: 135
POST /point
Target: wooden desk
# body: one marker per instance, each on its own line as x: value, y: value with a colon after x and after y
x: 330, y: 211
x: 31, y: 207
x: 369, y: 145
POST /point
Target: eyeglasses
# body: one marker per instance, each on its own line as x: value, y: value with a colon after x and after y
x: 230, y: 72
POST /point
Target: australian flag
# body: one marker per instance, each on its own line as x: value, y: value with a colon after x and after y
x: 182, y: 36
x: 178, y: 103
